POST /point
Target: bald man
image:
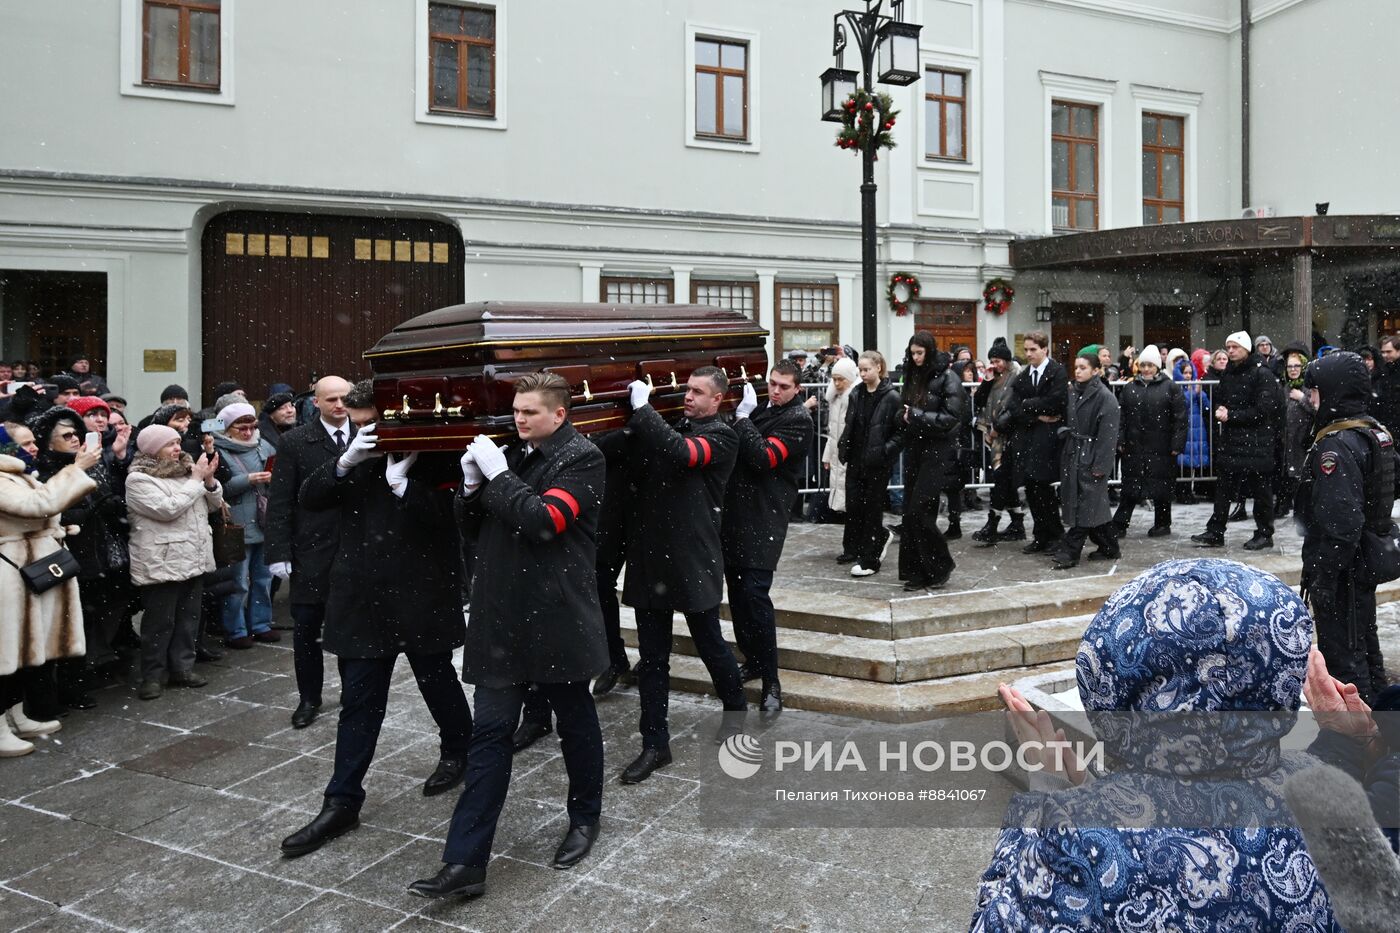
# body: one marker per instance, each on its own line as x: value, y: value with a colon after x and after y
x: 300, y: 543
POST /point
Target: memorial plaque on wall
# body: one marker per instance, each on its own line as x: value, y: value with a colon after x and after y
x: 158, y: 361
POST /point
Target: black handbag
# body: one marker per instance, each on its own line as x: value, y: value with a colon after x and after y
x: 48, y: 571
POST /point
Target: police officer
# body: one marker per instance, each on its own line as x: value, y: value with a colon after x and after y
x: 1348, y: 489
x: 773, y: 437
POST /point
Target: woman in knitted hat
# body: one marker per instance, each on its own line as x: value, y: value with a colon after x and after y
x: 169, y: 496
x: 1152, y: 433
x: 1223, y: 648
x: 247, y: 613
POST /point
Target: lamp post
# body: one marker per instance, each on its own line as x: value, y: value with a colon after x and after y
x: 894, y: 45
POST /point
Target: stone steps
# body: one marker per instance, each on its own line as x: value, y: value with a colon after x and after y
x: 872, y: 700
x: 908, y: 660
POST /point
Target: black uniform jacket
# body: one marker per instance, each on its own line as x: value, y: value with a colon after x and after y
x: 1332, y: 502
x: 773, y: 447
x: 673, y: 542
x: 534, y: 613
x: 1034, y: 444
x: 395, y: 581
x: 305, y: 537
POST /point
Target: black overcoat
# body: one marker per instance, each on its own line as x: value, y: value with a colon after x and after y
x: 307, y: 538
x: 395, y: 581
x: 930, y: 438
x: 768, y: 471
x: 534, y: 612
x: 674, y: 559
x: 1034, y: 444
x: 1249, y: 439
x: 1152, y: 430
x: 1090, y: 444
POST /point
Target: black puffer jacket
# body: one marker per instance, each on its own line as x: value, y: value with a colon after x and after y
x: 1249, y: 438
x: 1152, y: 430
x: 868, y: 444
x: 937, y: 417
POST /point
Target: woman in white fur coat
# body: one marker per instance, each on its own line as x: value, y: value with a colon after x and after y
x: 35, y: 627
x: 844, y: 378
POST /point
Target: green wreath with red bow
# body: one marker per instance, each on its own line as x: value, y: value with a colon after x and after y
x: 997, y: 296
x: 911, y: 283
x: 862, y: 114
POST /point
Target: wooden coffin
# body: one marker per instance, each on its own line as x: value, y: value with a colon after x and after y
x: 443, y: 377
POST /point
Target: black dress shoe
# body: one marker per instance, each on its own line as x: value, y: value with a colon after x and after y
x: 578, y: 842
x: 528, y: 734
x: 205, y: 655
x: 1036, y: 546
x: 188, y: 679
x: 305, y: 714
x: 1209, y: 539
x: 772, y: 699
x: 333, y: 821
x: 608, y: 679
x: 1103, y: 555
x: 648, y: 761
x: 749, y: 671
x: 1259, y: 542
x: 447, y: 775
x: 1159, y: 531
x: 452, y: 881
x: 1065, y: 562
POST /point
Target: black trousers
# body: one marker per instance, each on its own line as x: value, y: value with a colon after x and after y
x: 310, y: 667
x: 1161, y: 511
x: 654, y: 668
x: 864, y: 535
x: 751, y: 608
x: 608, y: 572
x: 364, y: 698
x: 923, y: 551
x: 104, y: 600
x: 1044, y: 505
x: 478, y: 808
x: 1231, y: 487
x: 1072, y: 543
x: 1347, y: 636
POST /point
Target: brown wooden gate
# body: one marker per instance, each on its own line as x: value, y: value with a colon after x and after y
x: 1075, y: 325
x: 290, y: 296
x: 952, y: 323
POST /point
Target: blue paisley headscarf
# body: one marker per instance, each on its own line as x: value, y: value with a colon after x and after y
x: 1220, y: 646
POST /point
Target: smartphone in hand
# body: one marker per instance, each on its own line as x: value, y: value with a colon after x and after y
x: 94, y: 441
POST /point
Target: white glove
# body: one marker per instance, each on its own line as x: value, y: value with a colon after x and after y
x: 471, y: 473
x: 361, y: 449
x: 396, y: 472
x: 640, y: 393
x: 282, y: 570
x: 490, y: 458
x: 748, y: 403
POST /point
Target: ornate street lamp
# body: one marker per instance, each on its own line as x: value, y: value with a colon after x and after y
x: 896, y: 44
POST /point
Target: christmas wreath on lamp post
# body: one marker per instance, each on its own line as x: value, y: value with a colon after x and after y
x: 862, y: 114
x: 997, y: 296
x: 901, y: 292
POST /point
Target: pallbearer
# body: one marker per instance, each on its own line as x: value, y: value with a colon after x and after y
x: 773, y: 439
x: 531, y: 512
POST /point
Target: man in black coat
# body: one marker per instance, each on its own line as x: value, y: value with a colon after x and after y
x: 773, y: 437
x: 1040, y: 394
x: 395, y: 588
x: 1385, y: 407
x: 531, y: 513
x: 1348, y: 489
x: 674, y: 561
x: 1247, y: 403
x: 302, y: 542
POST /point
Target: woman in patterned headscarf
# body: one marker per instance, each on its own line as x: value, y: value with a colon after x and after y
x: 1223, y: 647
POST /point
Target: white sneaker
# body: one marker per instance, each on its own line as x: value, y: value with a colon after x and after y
x: 859, y: 571
x: 11, y: 745
x: 889, y: 537
x: 27, y: 728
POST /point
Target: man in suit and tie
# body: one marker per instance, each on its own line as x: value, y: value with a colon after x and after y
x: 301, y: 543
x: 1037, y: 408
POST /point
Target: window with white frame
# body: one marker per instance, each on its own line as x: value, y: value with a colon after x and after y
x: 461, y: 63
x: 629, y: 291
x: 721, y: 88
x: 735, y: 296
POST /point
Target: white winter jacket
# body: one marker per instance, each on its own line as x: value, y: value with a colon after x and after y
x: 169, y: 512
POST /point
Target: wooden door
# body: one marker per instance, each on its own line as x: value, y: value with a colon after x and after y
x: 952, y: 323
x: 288, y: 296
x: 1167, y: 326
x: 53, y: 317
x: 1075, y: 325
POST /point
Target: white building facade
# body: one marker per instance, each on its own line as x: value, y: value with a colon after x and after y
x: 622, y: 150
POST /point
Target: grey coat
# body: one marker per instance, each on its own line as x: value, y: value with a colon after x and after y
x: 1090, y: 442
x: 241, y: 495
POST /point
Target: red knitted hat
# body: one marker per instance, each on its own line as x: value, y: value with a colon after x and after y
x: 86, y: 403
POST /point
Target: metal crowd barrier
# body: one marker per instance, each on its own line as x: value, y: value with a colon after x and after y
x: 1191, y: 470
